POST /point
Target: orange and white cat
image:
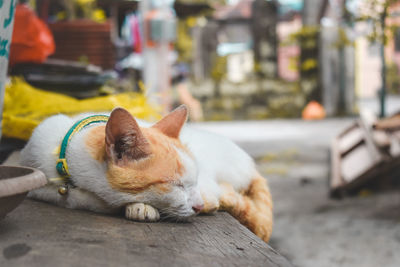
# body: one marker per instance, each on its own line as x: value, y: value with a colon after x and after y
x: 167, y: 170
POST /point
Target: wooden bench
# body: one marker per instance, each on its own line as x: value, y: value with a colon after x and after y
x: 39, y: 234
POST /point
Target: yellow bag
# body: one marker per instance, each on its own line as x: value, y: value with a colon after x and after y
x: 25, y: 107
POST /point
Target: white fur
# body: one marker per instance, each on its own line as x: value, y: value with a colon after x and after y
x: 216, y: 160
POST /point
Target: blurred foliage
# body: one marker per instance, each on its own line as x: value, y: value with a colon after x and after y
x: 343, y: 39
x: 210, y: 2
x: 32, y: 4
x: 305, y: 37
x: 256, y: 66
x: 98, y: 15
x: 184, y: 42
x: 218, y: 71
x: 79, y: 9
x: 376, y: 12
x: 309, y: 64
x: 256, y: 99
x: 392, y: 78
x: 293, y: 63
x: 286, y: 106
x: 84, y: 59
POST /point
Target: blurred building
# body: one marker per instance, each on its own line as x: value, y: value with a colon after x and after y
x: 288, y: 54
x: 392, y: 49
x: 249, y: 34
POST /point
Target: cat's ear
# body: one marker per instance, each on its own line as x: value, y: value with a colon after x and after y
x: 124, y: 139
x: 172, y: 124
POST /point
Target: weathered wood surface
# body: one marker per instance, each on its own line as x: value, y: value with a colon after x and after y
x: 39, y: 234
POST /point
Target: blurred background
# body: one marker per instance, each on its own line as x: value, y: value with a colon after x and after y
x: 310, y: 88
x: 227, y: 60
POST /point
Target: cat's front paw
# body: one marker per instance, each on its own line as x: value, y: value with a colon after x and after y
x: 141, y: 212
x: 211, y: 204
x: 229, y: 198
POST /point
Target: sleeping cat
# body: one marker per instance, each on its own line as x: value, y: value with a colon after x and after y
x: 167, y: 170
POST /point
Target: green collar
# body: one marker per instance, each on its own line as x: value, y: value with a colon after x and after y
x: 62, y: 166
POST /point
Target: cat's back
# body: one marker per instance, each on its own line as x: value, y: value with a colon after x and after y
x: 219, y: 156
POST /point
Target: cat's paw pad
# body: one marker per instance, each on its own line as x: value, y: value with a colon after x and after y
x: 141, y: 212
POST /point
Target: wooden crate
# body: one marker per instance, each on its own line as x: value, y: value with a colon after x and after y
x: 361, y: 156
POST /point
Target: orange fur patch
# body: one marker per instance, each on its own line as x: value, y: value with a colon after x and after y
x: 158, y: 170
x: 95, y: 142
x: 253, y: 207
x: 210, y: 205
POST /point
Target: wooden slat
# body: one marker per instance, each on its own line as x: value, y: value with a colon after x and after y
x: 51, y: 236
x: 350, y: 140
x: 356, y: 163
x: 359, y: 162
x: 373, y: 150
x: 395, y: 144
x: 381, y: 139
x: 389, y: 124
x: 336, y: 179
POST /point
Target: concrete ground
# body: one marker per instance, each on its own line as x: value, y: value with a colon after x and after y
x: 310, y: 229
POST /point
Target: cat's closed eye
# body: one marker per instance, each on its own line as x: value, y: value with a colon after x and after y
x: 178, y: 184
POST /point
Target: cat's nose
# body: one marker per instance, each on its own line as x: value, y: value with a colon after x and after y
x: 198, y: 208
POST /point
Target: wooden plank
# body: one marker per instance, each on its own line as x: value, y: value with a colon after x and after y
x: 395, y: 145
x: 351, y: 139
x: 336, y: 180
x: 381, y: 139
x: 389, y: 124
x: 356, y: 163
x: 39, y: 234
x: 357, y: 159
x: 373, y: 150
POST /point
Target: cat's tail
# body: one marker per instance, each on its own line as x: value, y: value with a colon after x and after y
x: 252, y: 208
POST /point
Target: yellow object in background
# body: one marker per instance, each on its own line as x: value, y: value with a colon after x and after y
x: 25, y: 107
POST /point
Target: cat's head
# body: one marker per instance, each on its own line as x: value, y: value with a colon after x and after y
x: 152, y: 163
